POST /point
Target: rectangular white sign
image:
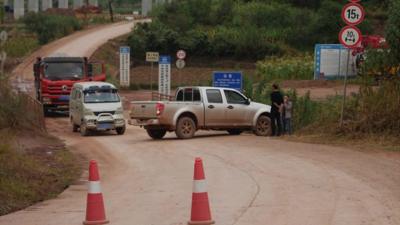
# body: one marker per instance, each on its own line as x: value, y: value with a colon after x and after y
x: 331, y: 62
x: 125, y: 63
x: 164, y: 75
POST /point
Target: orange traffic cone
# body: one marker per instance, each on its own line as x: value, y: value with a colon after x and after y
x: 200, y: 214
x: 95, y: 213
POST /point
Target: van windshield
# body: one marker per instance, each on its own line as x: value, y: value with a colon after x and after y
x: 101, y: 96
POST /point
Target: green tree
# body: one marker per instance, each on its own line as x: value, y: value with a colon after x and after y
x: 393, y: 31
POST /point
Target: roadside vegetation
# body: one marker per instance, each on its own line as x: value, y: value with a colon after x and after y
x: 244, y: 29
x: 48, y: 27
x: 33, y: 165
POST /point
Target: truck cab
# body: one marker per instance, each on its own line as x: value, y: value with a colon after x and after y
x: 55, y: 76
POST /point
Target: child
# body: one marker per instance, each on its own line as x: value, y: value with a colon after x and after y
x: 288, y: 106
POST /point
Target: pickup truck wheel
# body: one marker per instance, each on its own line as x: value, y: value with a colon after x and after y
x: 235, y: 131
x: 185, y: 128
x: 120, y: 130
x: 263, y: 126
x: 84, y: 130
x: 156, y: 134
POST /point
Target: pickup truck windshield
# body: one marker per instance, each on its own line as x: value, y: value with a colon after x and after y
x: 63, y: 70
x: 101, y: 96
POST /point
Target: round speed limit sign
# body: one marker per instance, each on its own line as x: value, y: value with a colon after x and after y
x: 181, y: 54
x: 353, y: 14
x: 350, y: 36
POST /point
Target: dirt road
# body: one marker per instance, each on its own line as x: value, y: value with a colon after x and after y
x: 82, y: 43
x: 251, y: 180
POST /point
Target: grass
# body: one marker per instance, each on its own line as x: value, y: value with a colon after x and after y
x: 286, y: 68
x: 30, y: 175
x: 19, y: 46
x: 361, y: 142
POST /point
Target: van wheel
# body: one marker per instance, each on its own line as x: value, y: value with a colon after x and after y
x: 84, y: 130
x: 235, y: 131
x: 185, y: 128
x: 156, y: 134
x: 120, y: 130
x: 263, y: 126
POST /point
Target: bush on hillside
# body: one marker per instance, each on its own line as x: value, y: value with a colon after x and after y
x: 244, y: 29
x: 49, y: 27
x: 286, y: 68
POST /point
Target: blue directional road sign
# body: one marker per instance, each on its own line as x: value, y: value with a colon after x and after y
x: 226, y: 79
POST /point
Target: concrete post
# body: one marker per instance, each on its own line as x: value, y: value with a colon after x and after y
x: 78, y: 4
x: 63, y: 4
x: 33, y: 6
x: 46, y: 4
x: 94, y: 2
x: 146, y: 6
x: 19, y: 8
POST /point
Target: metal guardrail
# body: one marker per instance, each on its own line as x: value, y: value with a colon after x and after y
x: 155, y: 96
x: 36, y: 108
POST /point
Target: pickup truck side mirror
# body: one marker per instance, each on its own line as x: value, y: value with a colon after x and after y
x: 90, y: 70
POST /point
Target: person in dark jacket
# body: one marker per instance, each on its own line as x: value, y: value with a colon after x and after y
x: 276, y: 110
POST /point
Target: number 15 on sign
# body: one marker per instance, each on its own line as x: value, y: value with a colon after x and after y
x: 353, y: 14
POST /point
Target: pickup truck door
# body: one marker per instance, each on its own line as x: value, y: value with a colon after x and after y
x: 214, y: 108
x: 237, y: 110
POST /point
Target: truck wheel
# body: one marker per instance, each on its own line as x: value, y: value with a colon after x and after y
x: 263, y: 126
x: 185, y: 128
x: 84, y: 130
x: 235, y: 131
x: 156, y: 134
x: 120, y: 130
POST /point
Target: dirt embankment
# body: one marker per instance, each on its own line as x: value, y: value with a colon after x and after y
x: 33, y: 167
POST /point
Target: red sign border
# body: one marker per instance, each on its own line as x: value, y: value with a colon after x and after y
x: 344, y: 12
x: 177, y: 54
x: 342, y: 31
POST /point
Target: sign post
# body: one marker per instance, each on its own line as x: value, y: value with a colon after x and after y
x: 164, y: 75
x: 180, y: 63
x: 350, y: 36
x: 124, y: 64
x: 152, y: 57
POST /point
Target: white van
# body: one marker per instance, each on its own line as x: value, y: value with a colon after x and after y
x: 96, y: 106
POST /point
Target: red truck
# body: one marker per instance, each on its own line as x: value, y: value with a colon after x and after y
x: 55, y: 76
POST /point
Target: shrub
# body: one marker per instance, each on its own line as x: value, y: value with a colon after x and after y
x: 286, y: 68
x: 19, y: 46
x: 49, y: 27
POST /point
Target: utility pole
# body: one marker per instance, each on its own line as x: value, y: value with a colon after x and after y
x: 110, y: 8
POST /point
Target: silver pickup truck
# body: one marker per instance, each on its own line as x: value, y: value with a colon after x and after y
x: 206, y: 108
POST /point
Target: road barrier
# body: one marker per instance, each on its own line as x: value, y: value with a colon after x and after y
x: 36, y: 107
x: 95, y: 212
x: 200, y: 214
